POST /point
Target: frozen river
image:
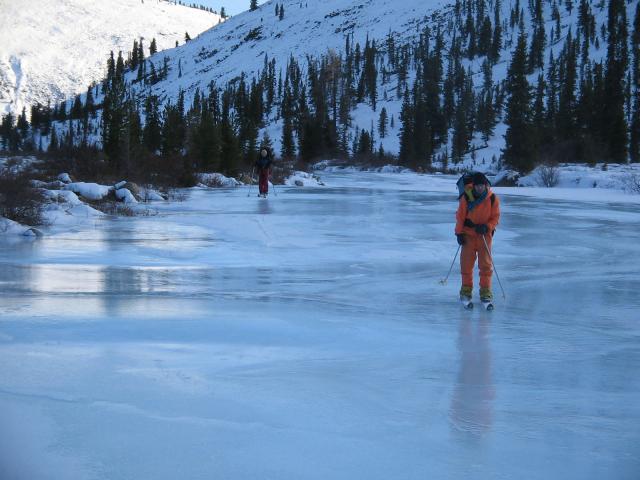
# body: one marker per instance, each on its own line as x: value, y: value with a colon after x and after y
x: 306, y: 336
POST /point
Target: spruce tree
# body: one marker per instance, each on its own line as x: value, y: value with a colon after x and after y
x: 406, y: 130
x: 538, y: 40
x: 382, y: 122
x: 566, y: 117
x: 152, y: 131
x: 253, y: 5
x: 22, y: 125
x: 616, y: 65
x: 518, y: 149
x: 496, y: 41
x: 634, y: 131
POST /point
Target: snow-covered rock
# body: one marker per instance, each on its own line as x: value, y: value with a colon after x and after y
x: 62, y: 196
x: 91, y: 191
x: 65, y: 178
x: 125, y: 196
x: 150, y: 195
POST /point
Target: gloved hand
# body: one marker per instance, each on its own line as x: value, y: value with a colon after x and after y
x: 460, y: 238
x: 482, y: 229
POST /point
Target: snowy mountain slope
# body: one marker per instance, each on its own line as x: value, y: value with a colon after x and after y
x: 53, y: 50
x: 311, y: 29
x: 308, y: 28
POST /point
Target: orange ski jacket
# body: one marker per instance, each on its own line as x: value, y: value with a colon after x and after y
x: 486, y: 212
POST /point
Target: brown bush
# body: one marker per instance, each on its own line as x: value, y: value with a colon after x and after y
x: 19, y: 201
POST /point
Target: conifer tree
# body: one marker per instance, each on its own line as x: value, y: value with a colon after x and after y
x: 496, y: 41
x: 288, y: 149
x: 406, y: 130
x: 114, y: 113
x: 152, y: 131
x: 634, y: 131
x: 22, y: 126
x: 566, y: 117
x: 486, y: 111
x: 517, y: 152
x: 539, y: 124
x: 536, y: 59
x: 253, y: 5
x: 382, y: 122
x: 616, y: 65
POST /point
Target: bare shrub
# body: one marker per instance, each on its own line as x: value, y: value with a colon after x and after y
x: 632, y: 183
x: 112, y: 207
x: 19, y: 200
x: 548, y: 175
x: 280, y: 171
x: 176, y: 195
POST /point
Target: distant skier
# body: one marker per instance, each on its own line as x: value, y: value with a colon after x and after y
x: 476, y: 220
x: 263, y: 167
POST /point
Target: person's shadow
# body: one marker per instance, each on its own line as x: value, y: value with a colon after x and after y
x: 471, y: 412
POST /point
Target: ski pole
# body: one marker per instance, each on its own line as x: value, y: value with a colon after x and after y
x: 251, y: 184
x: 444, y: 280
x: 494, y: 266
x: 275, y: 192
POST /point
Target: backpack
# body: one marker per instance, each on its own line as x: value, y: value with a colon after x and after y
x: 264, y: 161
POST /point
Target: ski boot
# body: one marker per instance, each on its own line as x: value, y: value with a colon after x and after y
x: 486, y: 297
x: 465, y: 297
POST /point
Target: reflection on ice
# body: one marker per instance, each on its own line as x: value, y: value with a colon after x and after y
x: 473, y: 394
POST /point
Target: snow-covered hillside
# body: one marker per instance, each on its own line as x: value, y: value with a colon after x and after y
x: 251, y: 54
x: 313, y: 28
x: 51, y: 50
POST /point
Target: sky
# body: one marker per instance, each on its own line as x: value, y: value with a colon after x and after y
x: 232, y: 7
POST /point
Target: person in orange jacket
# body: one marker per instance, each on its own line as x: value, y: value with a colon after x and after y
x: 476, y: 220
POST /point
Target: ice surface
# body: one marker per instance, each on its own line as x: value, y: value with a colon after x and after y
x: 306, y: 336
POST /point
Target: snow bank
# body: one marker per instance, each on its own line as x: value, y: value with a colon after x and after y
x: 303, y: 179
x: 9, y: 227
x: 608, y: 176
x: 92, y: 191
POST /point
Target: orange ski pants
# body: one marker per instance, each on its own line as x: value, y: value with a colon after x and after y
x: 474, y: 247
